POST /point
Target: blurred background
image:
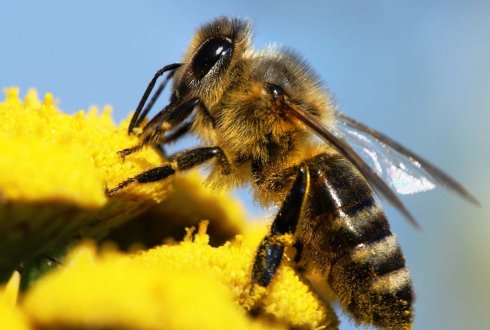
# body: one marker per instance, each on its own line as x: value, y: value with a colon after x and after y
x: 418, y: 71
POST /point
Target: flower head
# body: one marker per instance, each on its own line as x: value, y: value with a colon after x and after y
x: 53, y: 173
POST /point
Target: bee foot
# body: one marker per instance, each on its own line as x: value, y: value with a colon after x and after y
x: 128, y: 151
x: 251, y: 300
x: 115, y: 190
x: 110, y: 192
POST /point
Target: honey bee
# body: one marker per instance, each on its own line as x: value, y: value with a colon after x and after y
x: 264, y: 118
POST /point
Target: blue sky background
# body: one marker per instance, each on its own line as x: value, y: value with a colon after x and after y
x: 418, y: 71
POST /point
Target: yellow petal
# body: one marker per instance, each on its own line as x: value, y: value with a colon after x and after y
x: 185, y: 286
x: 52, y: 182
x: 10, y: 291
x: 10, y: 317
x: 53, y: 172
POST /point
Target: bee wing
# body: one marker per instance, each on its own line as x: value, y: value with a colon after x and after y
x: 403, y: 174
x: 376, y: 182
x: 401, y: 168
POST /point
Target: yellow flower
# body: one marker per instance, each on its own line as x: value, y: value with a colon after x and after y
x: 185, y: 286
x: 10, y: 317
x: 53, y: 172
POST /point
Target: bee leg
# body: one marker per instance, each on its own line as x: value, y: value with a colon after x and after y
x: 180, y: 162
x: 271, y: 249
x: 137, y: 117
x: 157, y: 138
x: 167, y: 119
x: 171, y: 137
x: 156, y: 95
x: 154, y: 131
x: 177, y: 133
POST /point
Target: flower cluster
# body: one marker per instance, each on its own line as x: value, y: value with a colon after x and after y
x: 53, y: 172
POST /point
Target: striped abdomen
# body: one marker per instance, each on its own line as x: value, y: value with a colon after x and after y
x: 346, y: 236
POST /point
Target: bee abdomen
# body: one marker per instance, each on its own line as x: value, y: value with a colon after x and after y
x: 370, y: 277
x: 347, y: 236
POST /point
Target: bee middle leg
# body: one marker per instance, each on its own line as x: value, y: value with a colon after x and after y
x: 271, y: 249
x: 180, y: 162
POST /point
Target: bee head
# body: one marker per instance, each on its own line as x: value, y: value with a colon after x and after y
x: 211, y: 57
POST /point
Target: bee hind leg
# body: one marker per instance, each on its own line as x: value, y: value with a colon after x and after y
x: 182, y: 161
x: 271, y: 249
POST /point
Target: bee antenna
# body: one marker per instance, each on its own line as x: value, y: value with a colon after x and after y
x: 138, y: 116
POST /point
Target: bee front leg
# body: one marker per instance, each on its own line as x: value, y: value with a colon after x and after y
x: 167, y: 120
x: 180, y: 162
x: 271, y: 249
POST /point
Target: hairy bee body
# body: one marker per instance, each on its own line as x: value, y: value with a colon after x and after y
x: 342, y: 233
x: 345, y: 236
x: 259, y: 115
x: 262, y: 144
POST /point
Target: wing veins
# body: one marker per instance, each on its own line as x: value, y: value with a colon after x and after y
x: 437, y: 174
x: 350, y: 154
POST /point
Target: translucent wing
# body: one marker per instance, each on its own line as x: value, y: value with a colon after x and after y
x: 403, y: 170
x: 337, y: 138
x: 404, y: 175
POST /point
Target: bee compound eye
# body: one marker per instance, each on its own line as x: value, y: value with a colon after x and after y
x: 209, y: 54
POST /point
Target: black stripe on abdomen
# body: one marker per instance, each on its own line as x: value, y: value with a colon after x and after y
x: 373, y: 284
x: 366, y: 265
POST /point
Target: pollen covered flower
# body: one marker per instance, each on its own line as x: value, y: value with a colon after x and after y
x: 184, y: 286
x: 53, y: 173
